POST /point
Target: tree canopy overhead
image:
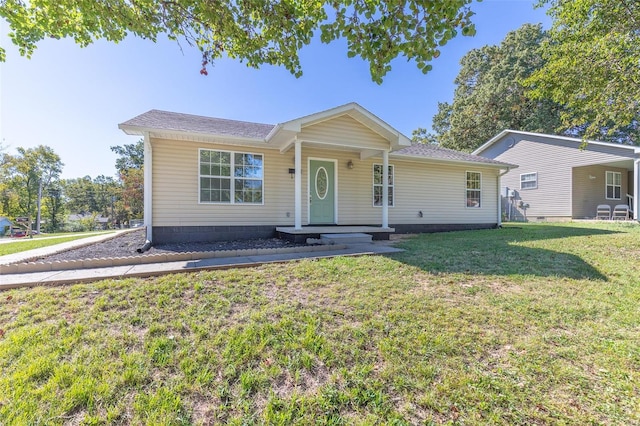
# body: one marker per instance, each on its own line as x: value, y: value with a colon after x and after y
x: 254, y: 31
x: 593, y: 66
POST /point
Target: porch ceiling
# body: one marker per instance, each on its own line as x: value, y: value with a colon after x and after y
x: 622, y: 164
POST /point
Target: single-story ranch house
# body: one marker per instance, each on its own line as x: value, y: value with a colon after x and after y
x: 563, y: 178
x: 210, y: 179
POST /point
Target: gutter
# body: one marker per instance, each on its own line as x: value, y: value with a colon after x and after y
x: 417, y: 158
x: 148, y: 188
x: 499, y: 184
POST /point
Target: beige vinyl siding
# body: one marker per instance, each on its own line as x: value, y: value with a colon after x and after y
x: 343, y: 130
x: 175, y: 188
x: 438, y: 190
x: 589, y: 192
x: 554, y: 161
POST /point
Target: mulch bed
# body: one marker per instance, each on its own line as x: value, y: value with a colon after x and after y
x: 125, y: 245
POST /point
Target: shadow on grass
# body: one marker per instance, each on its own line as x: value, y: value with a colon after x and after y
x: 505, y: 251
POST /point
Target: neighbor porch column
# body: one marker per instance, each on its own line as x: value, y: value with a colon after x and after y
x: 385, y: 189
x: 148, y: 165
x: 297, y: 186
x: 636, y: 190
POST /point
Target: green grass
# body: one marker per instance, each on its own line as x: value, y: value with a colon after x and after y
x: 531, y: 324
x: 41, y: 241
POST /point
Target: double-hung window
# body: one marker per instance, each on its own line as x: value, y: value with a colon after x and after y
x: 474, y: 189
x: 377, y: 185
x: 231, y: 177
x: 529, y: 180
x: 613, y: 185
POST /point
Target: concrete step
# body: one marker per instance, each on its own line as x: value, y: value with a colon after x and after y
x: 352, y: 238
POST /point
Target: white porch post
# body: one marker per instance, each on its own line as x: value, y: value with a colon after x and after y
x: 636, y: 190
x: 148, y: 211
x: 298, y: 186
x: 385, y: 189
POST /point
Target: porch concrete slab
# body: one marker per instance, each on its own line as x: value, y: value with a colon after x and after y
x: 152, y: 269
x: 333, y: 229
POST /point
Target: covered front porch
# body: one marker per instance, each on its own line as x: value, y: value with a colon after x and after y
x: 333, y: 152
x: 612, y: 184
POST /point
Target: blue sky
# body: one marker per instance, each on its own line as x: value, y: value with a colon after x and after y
x: 73, y: 98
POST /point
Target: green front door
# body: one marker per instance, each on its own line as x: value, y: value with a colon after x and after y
x: 322, y: 192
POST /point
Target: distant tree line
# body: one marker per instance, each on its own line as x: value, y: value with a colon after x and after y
x: 30, y: 186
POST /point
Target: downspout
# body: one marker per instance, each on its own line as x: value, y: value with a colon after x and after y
x: 500, y: 195
x: 148, y: 201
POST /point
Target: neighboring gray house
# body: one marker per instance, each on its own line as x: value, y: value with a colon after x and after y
x: 561, y: 178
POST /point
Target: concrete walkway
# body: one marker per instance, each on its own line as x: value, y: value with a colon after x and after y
x: 8, y: 281
x: 9, y: 240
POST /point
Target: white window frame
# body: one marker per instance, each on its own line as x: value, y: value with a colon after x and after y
x: 612, y: 184
x: 478, y: 190
x: 231, y: 177
x: 535, y: 180
x: 392, y: 183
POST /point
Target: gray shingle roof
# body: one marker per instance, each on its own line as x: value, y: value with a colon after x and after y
x: 439, y: 153
x: 165, y: 120
x: 174, y: 121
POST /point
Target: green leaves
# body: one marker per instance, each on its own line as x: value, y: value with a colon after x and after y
x: 253, y: 31
x: 22, y: 174
x: 593, y: 67
x: 490, y: 95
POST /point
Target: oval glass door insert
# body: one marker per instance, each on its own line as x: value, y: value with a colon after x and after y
x: 322, y: 183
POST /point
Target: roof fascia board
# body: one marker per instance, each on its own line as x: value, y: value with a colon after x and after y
x: 491, y: 141
x: 287, y: 146
x: 420, y: 159
x: 368, y: 153
x: 196, y: 137
x: 503, y: 133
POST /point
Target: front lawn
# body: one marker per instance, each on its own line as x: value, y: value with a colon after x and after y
x: 531, y: 324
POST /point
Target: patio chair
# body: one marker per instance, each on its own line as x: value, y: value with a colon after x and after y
x: 621, y: 212
x: 603, y: 211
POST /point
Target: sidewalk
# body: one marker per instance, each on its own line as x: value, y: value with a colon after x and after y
x: 8, y: 240
x: 153, y: 269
